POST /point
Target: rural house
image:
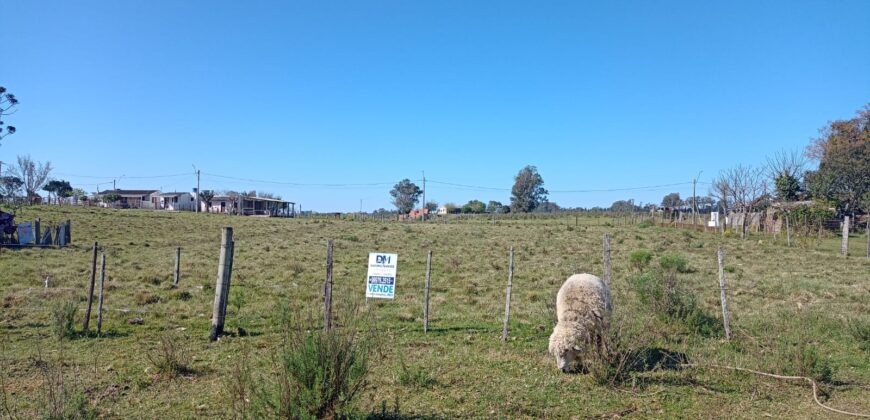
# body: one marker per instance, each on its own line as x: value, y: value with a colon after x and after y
x: 130, y: 199
x: 176, y: 201
x: 261, y: 206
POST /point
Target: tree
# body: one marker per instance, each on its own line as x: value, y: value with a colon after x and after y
x: 528, y: 191
x: 405, y: 195
x: 623, y: 206
x: 843, y: 153
x: 431, y: 206
x: 742, y: 187
x: 672, y: 201
x: 451, y: 208
x: 474, y: 206
x: 547, y: 207
x: 111, y: 197
x: 495, y: 207
x: 10, y: 186
x: 60, y: 188
x: 78, y: 195
x: 786, y: 170
x: 206, y: 196
x: 33, y: 175
x: 7, y: 103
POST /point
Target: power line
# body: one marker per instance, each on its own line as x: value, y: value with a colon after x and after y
x: 110, y: 177
x: 300, y: 184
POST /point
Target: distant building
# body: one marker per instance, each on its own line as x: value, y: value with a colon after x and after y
x: 441, y: 210
x: 176, y: 201
x: 130, y: 199
x: 418, y: 213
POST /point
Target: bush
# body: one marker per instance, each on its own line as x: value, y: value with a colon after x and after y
x: 413, y: 375
x: 675, y: 263
x: 666, y: 299
x: 64, y: 317
x: 315, y: 373
x: 640, y: 259
x: 170, y: 359
x: 645, y: 224
x: 861, y: 332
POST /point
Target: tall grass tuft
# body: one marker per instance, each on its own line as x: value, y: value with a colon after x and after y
x: 313, y: 373
x: 63, y: 316
x: 171, y: 358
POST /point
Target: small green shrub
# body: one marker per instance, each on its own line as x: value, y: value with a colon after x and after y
x: 145, y: 298
x: 314, y: 373
x: 640, y: 259
x: 674, y: 263
x: 413, y: 375
x: 645, y: 224
x: 63, y: 315
x: 861, y: 332
x: 171, y: 358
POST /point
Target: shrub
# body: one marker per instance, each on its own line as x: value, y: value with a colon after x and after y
x: 666, y: 299
x: 170, y: 359
x: 674, y: 263
x: 645, y: 224
x: 413, y: 375
x: 861, y: 332
x: 640, y: 259
x: 64, y: 316
x: 315, y: 373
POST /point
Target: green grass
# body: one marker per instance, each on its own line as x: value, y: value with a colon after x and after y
x: 794, y: 310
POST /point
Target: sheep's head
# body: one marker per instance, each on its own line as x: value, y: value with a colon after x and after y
x: 565, y: 347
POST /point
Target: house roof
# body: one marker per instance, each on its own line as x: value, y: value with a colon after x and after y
x: 274, y: 200
x: 129, y: 192
x: 172, y: 194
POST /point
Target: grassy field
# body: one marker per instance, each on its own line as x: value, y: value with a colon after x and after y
x: 794, y: 311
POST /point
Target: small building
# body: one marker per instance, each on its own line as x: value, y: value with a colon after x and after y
x: 219, y: 204
x: 418, y: 213
x: 176, y: 201
x: 261, y: 206
x: 441, y: 210
x: 130, y: 199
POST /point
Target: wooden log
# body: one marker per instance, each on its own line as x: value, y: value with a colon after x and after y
x: 177, y: 266
x: 720, y: 254
x: 91, y: 288
x: 426, y: 293
x: 222, y: 285
x: 507, y: 302
x: 327, y: 289
x: 100, y: 299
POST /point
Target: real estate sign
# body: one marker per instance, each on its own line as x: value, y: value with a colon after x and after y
x: 381, y: 280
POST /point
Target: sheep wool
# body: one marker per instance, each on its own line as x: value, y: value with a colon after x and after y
x: 583, y: 309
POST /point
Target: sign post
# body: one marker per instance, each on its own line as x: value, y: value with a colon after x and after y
x: 381, y: 279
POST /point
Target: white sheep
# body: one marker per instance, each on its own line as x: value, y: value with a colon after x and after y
x: 583, y: 309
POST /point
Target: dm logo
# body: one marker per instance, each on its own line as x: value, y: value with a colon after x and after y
x: 382, y: 259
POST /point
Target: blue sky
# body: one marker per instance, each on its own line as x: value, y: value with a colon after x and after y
x: 597, y: 95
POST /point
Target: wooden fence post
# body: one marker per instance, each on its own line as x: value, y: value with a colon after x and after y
x: 91, y: 288
x: 787, y: 230
x: 607, y: 264
x: 222, y: 286
x: 100, y: 299
x: 844, y: 246
x: 725, y: 321
x: 426, y: 293
x: 327, y: 289
x: 177, y: 266
x: 868, y: 237
x: 507, y: 302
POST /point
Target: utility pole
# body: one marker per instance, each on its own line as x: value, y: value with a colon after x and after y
x: 695, y: 198
x: 424, y: 194
x: 197, y: 187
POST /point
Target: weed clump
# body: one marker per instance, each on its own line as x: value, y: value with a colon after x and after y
x: 314, y: 373
x: 63, y: 316
x: 171, y: 358
x: 640, y: 259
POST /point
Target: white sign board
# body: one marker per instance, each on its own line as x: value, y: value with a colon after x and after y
x: 381, y: 279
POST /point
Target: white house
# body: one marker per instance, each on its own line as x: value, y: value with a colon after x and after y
x: 176, y: 201
x: 442, y: 210
x: 219, y: 204
x: 131, y: 199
